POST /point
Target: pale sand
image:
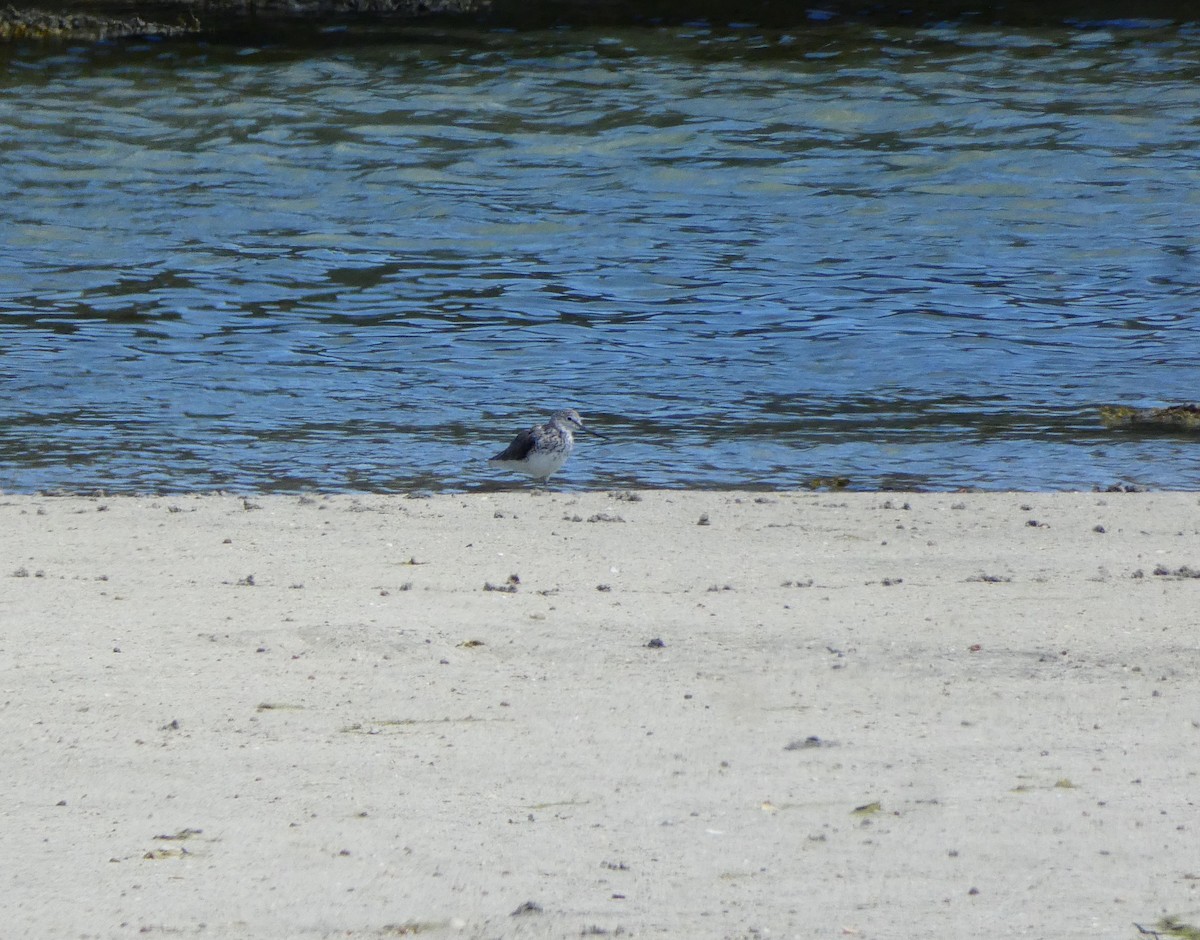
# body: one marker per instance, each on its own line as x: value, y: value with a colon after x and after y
x: 363, y: 742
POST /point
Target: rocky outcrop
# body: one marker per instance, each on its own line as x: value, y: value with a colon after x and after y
x: 91, y: 20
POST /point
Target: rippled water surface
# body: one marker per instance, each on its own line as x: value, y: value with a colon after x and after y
x: 910, y: 258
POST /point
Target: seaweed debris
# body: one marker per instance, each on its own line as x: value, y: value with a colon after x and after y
x: 1171, y: 419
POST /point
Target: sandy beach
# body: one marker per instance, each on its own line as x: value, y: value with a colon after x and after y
x: 640, y: 714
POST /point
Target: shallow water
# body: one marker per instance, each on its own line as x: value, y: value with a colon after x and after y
x: 905, y: 257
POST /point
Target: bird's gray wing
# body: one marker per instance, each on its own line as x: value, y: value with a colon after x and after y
x: 520, y: 447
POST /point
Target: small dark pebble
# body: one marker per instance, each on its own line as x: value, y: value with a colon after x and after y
x: 656, y: 644
x: 803, y: 745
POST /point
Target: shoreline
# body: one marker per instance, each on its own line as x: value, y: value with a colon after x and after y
x: 516, y: 485
x: 641, y: 713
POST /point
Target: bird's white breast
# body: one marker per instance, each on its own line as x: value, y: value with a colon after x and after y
x: 540, y: 464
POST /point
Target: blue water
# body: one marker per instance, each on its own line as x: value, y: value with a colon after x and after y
x: 754, y: 259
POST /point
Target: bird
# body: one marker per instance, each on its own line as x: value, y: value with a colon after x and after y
x: 542, y: 449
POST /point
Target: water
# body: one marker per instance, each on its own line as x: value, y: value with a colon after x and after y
x: 755, y: 259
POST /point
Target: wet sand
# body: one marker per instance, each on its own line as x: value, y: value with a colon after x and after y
x: 654, y: 714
